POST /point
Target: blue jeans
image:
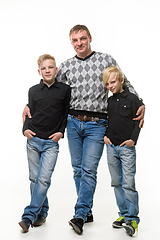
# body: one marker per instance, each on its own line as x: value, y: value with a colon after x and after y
x: 122, y: 167
x: 86, y: 146
x: 42, y: 156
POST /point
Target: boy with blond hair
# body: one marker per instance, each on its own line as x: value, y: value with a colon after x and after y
x: 121, y: 137
x: 49, y: 105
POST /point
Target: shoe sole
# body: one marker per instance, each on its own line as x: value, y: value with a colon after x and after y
x: 115, y: 226
x: 38, y: 224
x: 75, y: 227
x: 129, y: 230
x: 23, y: 227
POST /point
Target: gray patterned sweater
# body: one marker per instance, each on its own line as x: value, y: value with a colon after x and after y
x: 88, y: 94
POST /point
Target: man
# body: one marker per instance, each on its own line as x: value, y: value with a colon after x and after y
x: 87, y: 118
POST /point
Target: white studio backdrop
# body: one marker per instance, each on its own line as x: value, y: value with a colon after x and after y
x: 126, y: 29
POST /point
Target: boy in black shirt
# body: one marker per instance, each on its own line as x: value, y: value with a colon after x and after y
x: 49, y: 106
x: 121, y: 137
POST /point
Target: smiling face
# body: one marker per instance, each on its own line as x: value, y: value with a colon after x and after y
x: 48, y: 71
x: 81, y: 43
x: 113, y: 84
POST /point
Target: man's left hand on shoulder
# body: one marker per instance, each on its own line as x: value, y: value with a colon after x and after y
x: 140, y: 113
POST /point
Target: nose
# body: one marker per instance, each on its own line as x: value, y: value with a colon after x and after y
x: 47, y: 69
x: 79, y: 42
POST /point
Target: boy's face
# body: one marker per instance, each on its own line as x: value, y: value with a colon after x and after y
x: 48, y: 71
x: 113, y: 84
x: 81, y: 43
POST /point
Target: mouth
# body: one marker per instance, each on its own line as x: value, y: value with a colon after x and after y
x: 112, y: 89
x: 80, y: 48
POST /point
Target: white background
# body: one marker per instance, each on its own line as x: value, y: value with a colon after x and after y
x: 129, y: 31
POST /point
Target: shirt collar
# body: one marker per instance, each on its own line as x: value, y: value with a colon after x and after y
x: 55, y: 84
x: 122, y: 94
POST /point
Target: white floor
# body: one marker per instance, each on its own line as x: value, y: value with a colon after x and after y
x: 15, y: 196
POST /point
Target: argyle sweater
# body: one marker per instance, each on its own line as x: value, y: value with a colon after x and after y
x: 88, y: 94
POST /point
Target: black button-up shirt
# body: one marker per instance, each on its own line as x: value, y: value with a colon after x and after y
x: 49, y: 108
x: 122, y: 108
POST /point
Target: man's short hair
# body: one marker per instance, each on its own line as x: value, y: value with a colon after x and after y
x: 78, y: 28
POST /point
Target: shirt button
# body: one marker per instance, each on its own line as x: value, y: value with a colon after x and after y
x: 117, y: 99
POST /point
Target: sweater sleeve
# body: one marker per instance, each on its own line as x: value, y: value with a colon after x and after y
x: 128, y: 85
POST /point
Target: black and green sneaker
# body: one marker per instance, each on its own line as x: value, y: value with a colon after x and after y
x: 118, y: 223
x: 131, y: 227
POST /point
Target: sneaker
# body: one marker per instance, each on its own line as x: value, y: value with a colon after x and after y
x: 39, y: 221
x: 118, y: 223
x: 89, y: 219
x: 77, y: 225
x: 131, y: 227
x: 25, y: 224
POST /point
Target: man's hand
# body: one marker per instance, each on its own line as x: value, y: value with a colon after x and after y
x: 129, y: 143
x: 107, y: 140
x: 26, y: 112
x: 140, y: 113
x: 56, y: 136
x: 29, y: 134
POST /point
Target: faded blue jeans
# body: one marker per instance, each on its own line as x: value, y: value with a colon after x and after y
x: 42, y: 156
x: 122, y: 167
x: 86, y: 146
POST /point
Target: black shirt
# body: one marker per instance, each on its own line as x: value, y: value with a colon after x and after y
x: 49, y: 109
x: 122, y: 108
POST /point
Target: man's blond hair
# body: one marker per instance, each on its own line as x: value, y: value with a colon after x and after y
x: 109, y: 70
x: 44, y: 57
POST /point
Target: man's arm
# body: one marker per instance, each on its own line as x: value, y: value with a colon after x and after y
x: 141, y: 110
x: 26, y: 131
x: 26, y: 112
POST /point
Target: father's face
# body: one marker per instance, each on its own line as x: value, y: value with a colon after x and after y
x: 81, y: 43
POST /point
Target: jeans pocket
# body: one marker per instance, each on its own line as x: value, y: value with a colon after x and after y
x: 69, y: 117
x: 102, y: 122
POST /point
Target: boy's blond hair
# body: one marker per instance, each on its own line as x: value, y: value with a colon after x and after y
x: 109, y: 70
x: 44, y: 57
x: 78, y: 28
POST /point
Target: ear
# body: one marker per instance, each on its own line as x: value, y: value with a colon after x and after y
x: 39, y: 72
x: 122, y: 80
x: 56, y: 70
x: 90, y: 38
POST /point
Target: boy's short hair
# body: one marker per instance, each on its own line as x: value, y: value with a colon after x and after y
x: 109, y: 70
x: 44, y: 57
x: 78, y: 28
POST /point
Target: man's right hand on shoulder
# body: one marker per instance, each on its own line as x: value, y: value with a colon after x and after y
x: 29, y: 134
x: 26, y: 112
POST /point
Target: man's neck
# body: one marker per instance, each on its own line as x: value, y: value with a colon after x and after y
x: 84, y: 55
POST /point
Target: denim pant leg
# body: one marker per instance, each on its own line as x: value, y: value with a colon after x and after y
x: 88, y: 138
x: 42, y: 157
x: 115, y: 169
x: 128, y: 159
x: 75, y: 142
x: 122, y: 167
